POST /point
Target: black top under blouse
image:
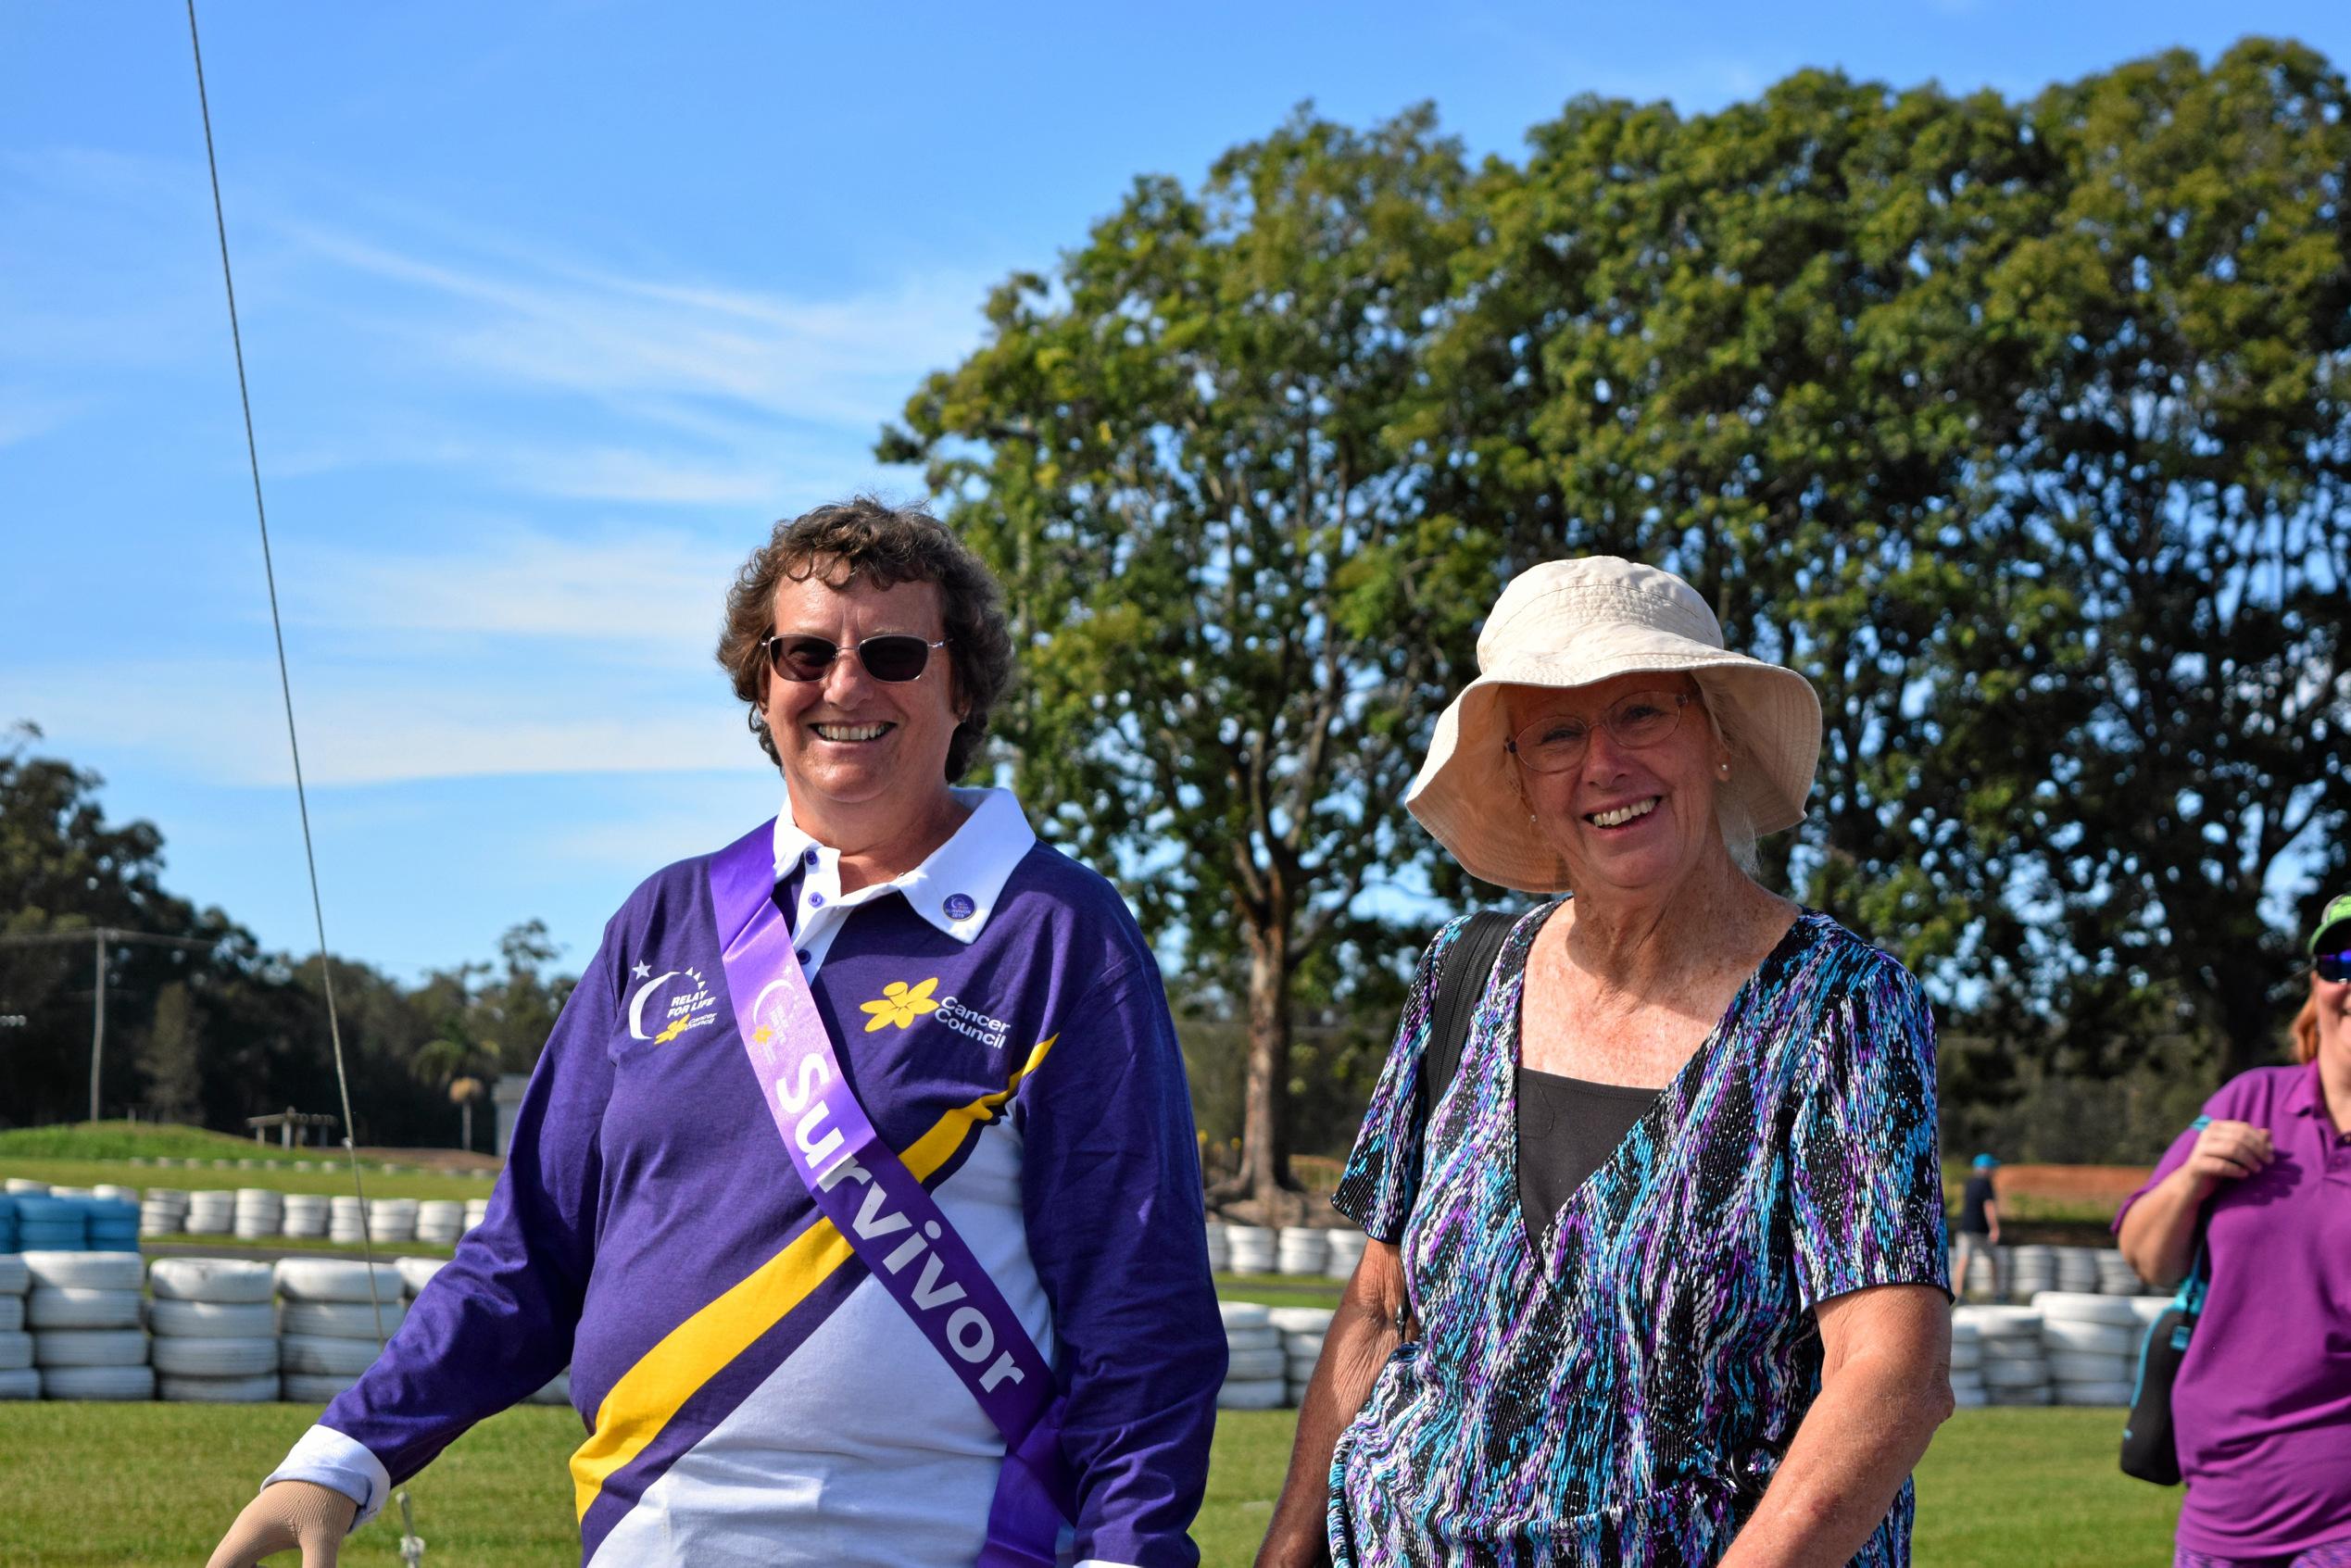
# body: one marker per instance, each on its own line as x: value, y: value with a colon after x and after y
x: 1567, y: 1128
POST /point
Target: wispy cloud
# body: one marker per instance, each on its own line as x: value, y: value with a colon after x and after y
x: 550, y: 324
x: 222, y: 724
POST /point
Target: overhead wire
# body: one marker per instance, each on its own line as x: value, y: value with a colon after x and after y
x: 411, y: 1546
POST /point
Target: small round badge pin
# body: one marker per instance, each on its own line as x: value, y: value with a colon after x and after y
x: 959, y: 906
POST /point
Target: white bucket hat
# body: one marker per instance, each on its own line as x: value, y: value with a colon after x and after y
x: 1570, y: 623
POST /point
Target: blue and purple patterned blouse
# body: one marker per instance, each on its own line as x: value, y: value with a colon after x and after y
x: 1619, y: 1389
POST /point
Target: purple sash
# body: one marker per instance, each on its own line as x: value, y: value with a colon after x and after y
x: 889, y: 1217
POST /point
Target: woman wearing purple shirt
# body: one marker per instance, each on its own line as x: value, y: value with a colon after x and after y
x: 2262, y: 1406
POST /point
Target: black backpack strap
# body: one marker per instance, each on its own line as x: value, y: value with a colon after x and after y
x: 1461, y: 985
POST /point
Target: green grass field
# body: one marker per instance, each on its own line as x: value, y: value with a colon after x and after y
x: 92, y: 1485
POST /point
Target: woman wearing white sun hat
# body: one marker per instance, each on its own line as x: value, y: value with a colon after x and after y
x: 1657, y: 1273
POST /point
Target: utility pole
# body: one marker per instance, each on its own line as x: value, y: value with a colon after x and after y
x: 105, y: 937
x: 98, y: 1024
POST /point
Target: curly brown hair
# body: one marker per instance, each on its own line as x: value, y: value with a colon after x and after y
x: 886, y: 546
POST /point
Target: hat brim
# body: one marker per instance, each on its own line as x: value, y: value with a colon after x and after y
x: 1466, y: 793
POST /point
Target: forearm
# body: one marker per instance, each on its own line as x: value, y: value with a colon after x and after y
x: 1858, y: 1442
x: 1361, y: 1338
x: 2159, y: 1235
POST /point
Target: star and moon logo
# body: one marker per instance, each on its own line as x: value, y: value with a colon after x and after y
x: 688, y: 1005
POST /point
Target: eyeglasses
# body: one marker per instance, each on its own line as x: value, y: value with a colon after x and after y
x: 1636, y: 722
x: 2334, y: 966
x: 893, y: 655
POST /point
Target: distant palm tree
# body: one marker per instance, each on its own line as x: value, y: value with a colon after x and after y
x: 463, y: 1092
x: 462, y: 1065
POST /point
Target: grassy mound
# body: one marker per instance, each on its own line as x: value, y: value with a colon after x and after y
x: 146, y: 1140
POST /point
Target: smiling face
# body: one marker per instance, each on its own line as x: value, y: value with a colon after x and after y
x: 862, y: 758
x: 1625, y: 819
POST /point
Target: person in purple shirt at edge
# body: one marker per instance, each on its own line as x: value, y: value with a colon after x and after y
x: 752, y: 1390
x: 2262, y: 1406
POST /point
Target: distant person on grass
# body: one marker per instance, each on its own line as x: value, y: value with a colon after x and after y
x: 1658, y: 1274
x: 1979, y: 1226
x: 857, y: 1182
x: 2261, y: 1409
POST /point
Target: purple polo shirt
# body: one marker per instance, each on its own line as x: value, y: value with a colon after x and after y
x: 2263, y: 1401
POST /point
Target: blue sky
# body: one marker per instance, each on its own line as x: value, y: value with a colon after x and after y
x: 550, y: 308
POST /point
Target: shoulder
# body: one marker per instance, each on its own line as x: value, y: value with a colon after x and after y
x: 1061, y: 905
x: 1838, y: 967
x: 2254, y: 1095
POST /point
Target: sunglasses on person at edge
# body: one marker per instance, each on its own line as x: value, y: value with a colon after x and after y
x: 1634, y: 722
x: 894, y: 657
x: 2335, y: 967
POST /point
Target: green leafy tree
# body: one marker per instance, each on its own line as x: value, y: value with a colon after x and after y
x: 2180, y: 470
x: 1233, y: 597
x: 1743, y: 346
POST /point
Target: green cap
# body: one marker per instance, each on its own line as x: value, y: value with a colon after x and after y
x: 2337, y: 912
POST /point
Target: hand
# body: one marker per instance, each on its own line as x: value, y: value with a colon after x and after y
x: 288, y: 1513
x: 2228, y: 1151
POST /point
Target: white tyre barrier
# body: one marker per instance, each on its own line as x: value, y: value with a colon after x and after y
x: 1345, y: 1251
x: 317, y: 1353
x: 167, y: 1319
x: 16, y: 1351
x: 223, y: 1280
x: 211, y: 1213
x: 86, y: 1270
x: 77, y: 1308
x: 119, y: 1194
x: 1243, y: 1314
x: 15, y: 1278
x: 2080, y: 1366
x: 2084, y: 1307
x: 343, y: 1319
x: 1252, y: 1394
x: 20, y: 1384
x: 1220, y: 1255
x: 1250, y: 1248
x: 26, y: 1186
x: 556, y: 1392
x: 476, y: 1211
x: 125, y: 1383
x: 417, y: 1272
x: 1250, y: 1365
x: 89, y: 1347
x: 1302, y: 1250
x: 256, y: 1390
x: 2114, y: 1393
x: 2002, y: 1373
x: 2094, y: 1338
x: 215, y: 1358
x: 311, y: 1388
x: 335, y: 1279
x: 1300, y: 1320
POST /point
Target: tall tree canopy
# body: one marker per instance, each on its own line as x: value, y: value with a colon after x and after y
x: 1234, y: 596
x: 2020, y: 428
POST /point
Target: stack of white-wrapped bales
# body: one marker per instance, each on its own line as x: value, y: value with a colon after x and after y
x: 216, y: 1332
x: 1255, y: 1378
x: 331, y: 1324
x: 18, y: 1380
x: 85, y: 1312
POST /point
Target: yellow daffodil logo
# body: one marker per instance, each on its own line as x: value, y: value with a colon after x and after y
x: 901, y: 1004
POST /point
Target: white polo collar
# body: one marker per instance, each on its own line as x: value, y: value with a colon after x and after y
x: 956, y: 888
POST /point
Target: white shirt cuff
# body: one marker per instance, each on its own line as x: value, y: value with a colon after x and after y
x: 329, y: 1458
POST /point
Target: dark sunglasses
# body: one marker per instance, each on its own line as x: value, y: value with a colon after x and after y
x: 2335, y: 967
x: 894, y: 656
